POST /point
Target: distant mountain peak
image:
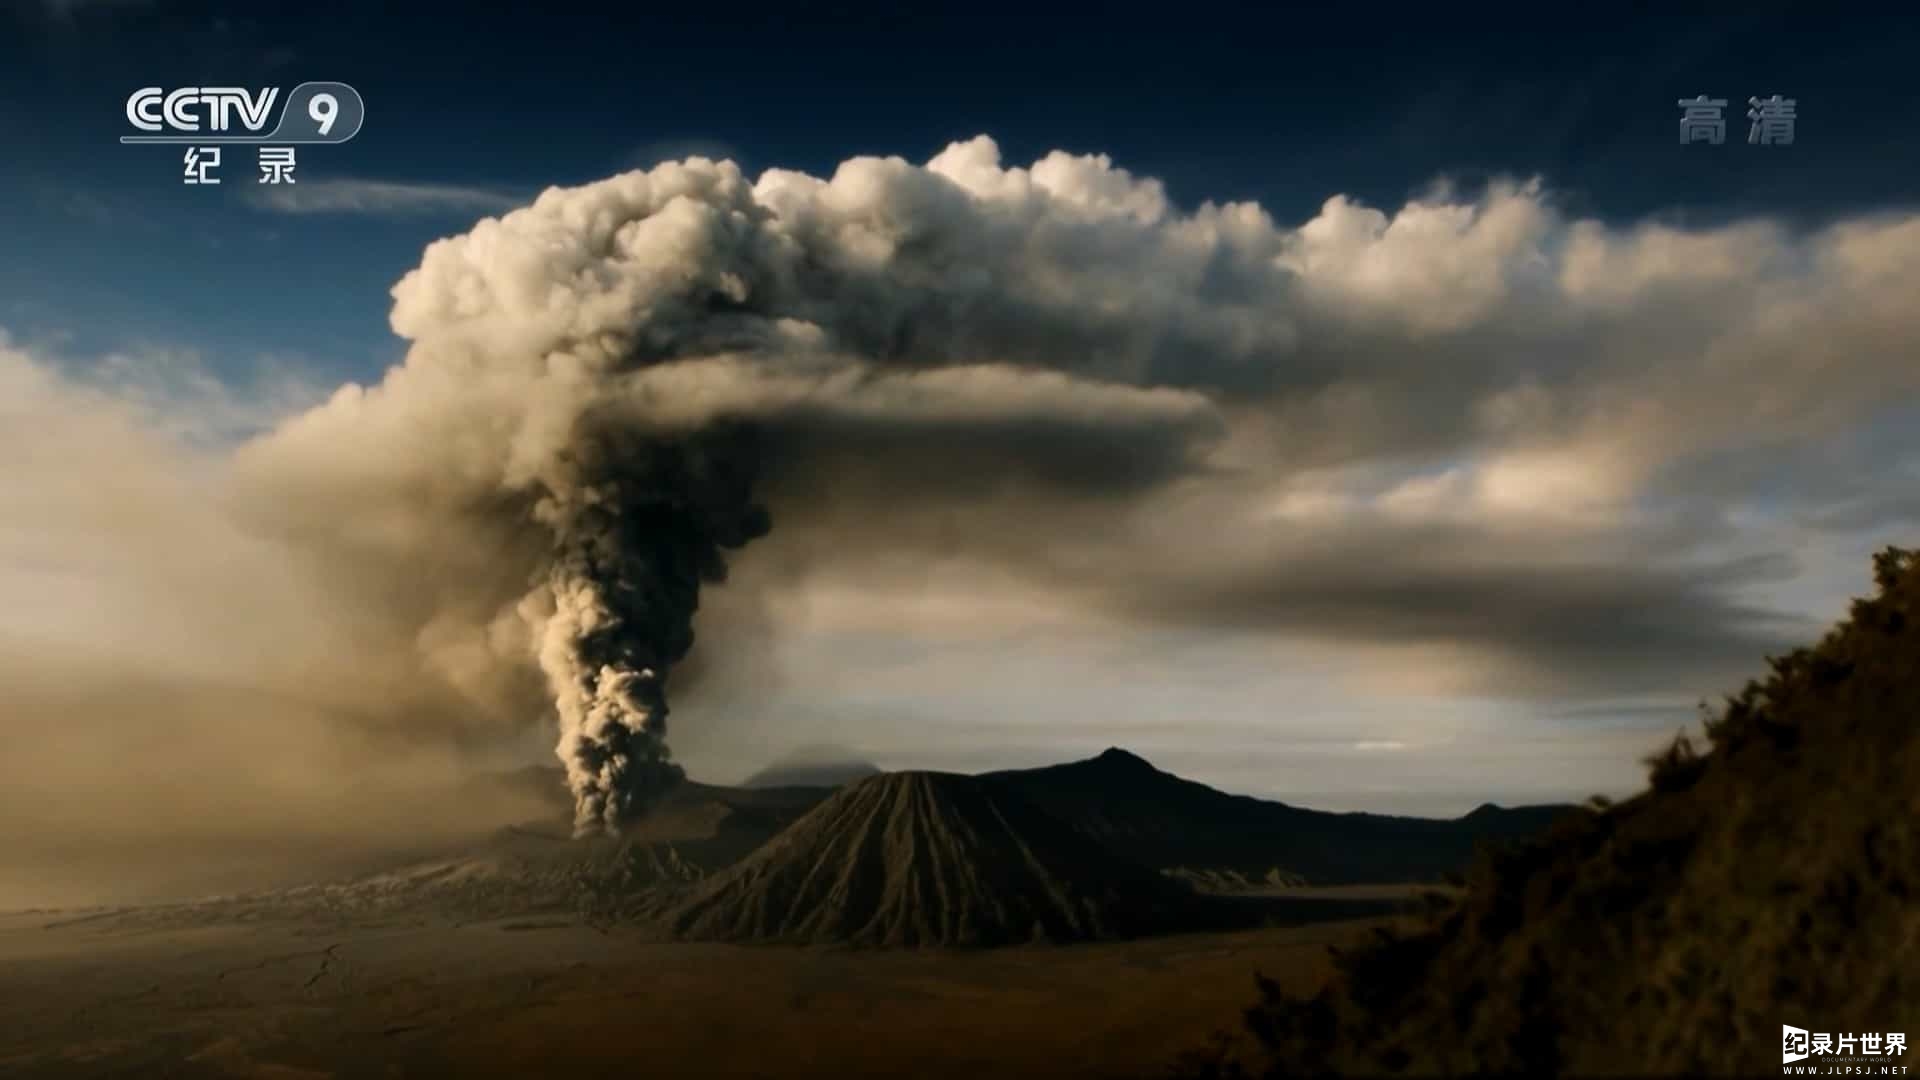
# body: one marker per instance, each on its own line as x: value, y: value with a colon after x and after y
x: 813, y: 766
x: 1115, y: 757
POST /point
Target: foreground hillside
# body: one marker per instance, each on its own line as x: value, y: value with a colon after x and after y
x: 1768, y: 879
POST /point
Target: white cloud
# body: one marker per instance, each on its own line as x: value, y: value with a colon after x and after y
x: 380, y: 198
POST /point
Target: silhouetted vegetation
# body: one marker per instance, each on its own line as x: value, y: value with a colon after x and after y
x: 1766, y: 877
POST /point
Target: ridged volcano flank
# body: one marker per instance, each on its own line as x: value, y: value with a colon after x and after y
x: 919, y: 858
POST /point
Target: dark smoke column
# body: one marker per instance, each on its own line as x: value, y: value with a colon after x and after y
x: 639, y: 525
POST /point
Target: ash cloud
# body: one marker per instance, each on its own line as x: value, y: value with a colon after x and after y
x: 184, y: 709
x: 598, y: 381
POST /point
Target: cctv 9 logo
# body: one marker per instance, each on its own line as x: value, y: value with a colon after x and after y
x: 314, y: 112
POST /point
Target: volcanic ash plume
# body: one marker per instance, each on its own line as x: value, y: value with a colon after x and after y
x: 633, y: 547
x: 603, y: 388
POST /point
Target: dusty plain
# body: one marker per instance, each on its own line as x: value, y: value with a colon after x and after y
x: 170, y: 992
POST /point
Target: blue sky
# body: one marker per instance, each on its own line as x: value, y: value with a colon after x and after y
x: 104, y: 247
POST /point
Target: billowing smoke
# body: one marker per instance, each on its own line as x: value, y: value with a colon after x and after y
x: 643, y: 524
x: 600, y: 385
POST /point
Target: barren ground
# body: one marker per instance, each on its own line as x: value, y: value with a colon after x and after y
x: 112, y: 993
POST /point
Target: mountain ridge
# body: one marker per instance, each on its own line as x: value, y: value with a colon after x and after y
x: 1166, y: 821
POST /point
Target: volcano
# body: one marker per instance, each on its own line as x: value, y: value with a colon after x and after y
x: 1121, y: 802
x: 930, y: 859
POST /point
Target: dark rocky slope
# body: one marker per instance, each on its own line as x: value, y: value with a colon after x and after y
x: 930, y: 859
